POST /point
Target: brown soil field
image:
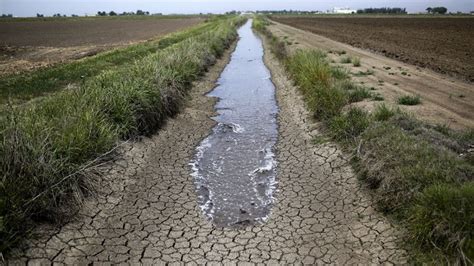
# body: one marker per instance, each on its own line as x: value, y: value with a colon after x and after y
x: 445, y: 45
x: 30, y: 44
x: 444, y: 100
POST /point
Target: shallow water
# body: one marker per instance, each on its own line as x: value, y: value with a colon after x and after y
x: 234, y: 167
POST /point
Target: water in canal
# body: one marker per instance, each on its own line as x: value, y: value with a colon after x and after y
x: 234, y: 167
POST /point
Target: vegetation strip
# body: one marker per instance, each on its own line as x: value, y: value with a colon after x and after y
x: 25, y: 86
x: 45, y: 141
x: 420, y: 174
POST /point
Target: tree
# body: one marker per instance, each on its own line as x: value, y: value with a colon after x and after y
x: 429, y: 10
x: 101, y: 13
x: 439, y: 10
x: 112, y: 13
x: 39, y: 15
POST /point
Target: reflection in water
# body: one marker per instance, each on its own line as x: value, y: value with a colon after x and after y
x: 234, y: 167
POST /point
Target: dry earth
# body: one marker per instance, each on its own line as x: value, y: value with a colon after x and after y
x: 147, y: 210
x: 445, y: 100
x: 26, y: 45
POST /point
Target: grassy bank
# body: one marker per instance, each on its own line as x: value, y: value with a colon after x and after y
x: 46, y: 145
x: 420, y: 174
x: 25, y: 86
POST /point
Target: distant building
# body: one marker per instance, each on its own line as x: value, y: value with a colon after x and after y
x: 343, y: 10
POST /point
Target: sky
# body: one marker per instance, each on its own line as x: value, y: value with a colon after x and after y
x: 24, y: 8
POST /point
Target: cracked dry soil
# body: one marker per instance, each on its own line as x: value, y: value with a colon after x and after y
x: 147, y: 210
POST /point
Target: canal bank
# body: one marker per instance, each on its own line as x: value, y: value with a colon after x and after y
x: 147, y: 210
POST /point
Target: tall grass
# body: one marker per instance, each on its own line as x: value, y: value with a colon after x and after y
x: 46, y: 144
x: 413, y: 169
x: 315, y: 77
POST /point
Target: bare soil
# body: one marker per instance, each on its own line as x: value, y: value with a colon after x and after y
x: 25, y: 45
x: 445, y: 100
x: 445, y: 45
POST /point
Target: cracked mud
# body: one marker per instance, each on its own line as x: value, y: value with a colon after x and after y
x: 147, y: 210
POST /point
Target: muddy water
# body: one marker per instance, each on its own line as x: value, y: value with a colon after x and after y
x: 234, y: 167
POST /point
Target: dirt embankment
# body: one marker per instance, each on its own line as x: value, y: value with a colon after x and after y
x: 445, y: 45
x: 26, y: 45
x: 444, y: 100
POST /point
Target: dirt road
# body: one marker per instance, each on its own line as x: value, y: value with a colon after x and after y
x: 445, y: 100
x: 148, y: 211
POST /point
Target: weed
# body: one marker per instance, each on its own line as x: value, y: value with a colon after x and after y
x: 377, y: 97
x: 346, y: 60
x: 383, y: 113
x: 368, y: 72
x: 404, y: 73
x: 409, y: 100
x: 359, y: 94
x: 320, y: 139
x: 356, y: 61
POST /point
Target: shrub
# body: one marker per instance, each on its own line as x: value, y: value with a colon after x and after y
x: 409, y: 100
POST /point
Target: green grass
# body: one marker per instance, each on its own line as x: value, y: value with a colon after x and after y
x: 409, y: 100
x: 414, y: 169
x: 45, y: 144
x: 25, y: 86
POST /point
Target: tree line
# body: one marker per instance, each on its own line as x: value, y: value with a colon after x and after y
x: 113, y: 13
x: 437, y: 10
x: 383, y: 10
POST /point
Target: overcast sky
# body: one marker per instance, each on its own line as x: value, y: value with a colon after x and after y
x: 90, y: 7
